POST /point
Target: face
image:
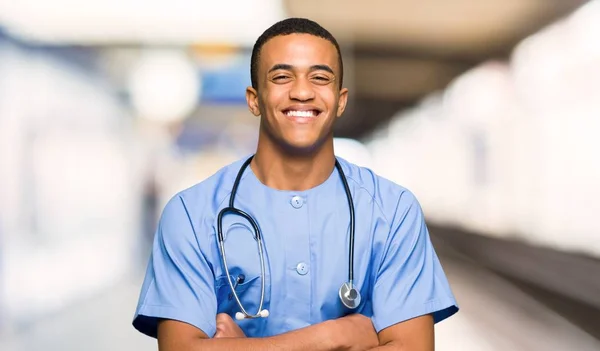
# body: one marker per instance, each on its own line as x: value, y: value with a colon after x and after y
x: 298, y: 96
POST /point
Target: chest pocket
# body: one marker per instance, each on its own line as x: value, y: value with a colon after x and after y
x: 226, y: 301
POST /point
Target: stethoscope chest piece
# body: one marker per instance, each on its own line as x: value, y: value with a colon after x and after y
x: 349, y: 295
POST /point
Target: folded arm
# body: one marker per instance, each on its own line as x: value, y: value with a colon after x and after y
x: 416, y: 334
x: 354, y: 332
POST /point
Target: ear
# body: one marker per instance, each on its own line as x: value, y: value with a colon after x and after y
x: 342, y: 100
x: 252, y: 100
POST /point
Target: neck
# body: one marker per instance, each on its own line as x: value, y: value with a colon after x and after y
x: 283, y: 170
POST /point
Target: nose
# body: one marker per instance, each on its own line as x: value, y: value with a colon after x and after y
x: 302, y: 90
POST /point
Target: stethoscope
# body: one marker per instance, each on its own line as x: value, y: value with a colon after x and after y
x: 348, y: 294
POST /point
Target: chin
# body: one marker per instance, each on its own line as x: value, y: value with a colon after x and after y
x: 302, y: 147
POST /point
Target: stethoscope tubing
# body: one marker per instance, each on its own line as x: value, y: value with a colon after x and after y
x: 233, y: 210
x: 260, y: 255
x: 352, y: 230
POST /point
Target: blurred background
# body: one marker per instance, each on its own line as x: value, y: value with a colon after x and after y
x: 489, y: 111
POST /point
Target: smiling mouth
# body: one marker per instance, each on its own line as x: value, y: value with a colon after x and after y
x: 302, y: 114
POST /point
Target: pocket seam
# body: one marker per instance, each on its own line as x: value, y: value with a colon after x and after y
x: 222, y: 281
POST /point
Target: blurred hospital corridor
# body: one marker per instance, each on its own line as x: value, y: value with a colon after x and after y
x: 487, y: 111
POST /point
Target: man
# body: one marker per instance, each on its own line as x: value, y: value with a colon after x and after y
x: 295, y: 192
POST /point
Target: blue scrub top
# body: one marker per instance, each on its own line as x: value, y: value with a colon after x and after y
x: 306, y: 235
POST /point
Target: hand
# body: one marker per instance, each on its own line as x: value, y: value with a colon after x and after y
x: 355, y: 333
x: 227, y: 328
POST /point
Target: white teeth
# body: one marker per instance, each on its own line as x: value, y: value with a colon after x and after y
x: 310, y: 113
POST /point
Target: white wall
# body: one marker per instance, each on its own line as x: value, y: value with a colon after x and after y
x: 69, y: 198
x: 511, y: 149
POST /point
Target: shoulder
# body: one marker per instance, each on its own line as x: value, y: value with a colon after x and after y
x: 209, y: 194
x: 391, y: 197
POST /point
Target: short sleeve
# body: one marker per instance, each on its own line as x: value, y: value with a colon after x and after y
x: 410, y: 280
x: 179, y: 283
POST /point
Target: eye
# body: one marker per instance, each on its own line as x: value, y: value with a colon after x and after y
x: 280, y: 78
x: 320, y: 79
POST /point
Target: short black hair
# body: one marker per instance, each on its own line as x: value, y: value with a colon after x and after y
x: 286, y: 27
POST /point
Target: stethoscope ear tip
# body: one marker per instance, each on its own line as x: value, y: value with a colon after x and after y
x: 264, y: 313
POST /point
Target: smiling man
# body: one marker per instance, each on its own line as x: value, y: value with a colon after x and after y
x: 270, y: 239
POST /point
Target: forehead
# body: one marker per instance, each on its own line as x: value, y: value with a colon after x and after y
x: 299, y: 50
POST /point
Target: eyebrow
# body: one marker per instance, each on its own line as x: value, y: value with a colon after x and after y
x: 286, y: 67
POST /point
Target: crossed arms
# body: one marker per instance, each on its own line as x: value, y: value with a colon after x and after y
x: 409, y: 260
x: 352, y: 333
